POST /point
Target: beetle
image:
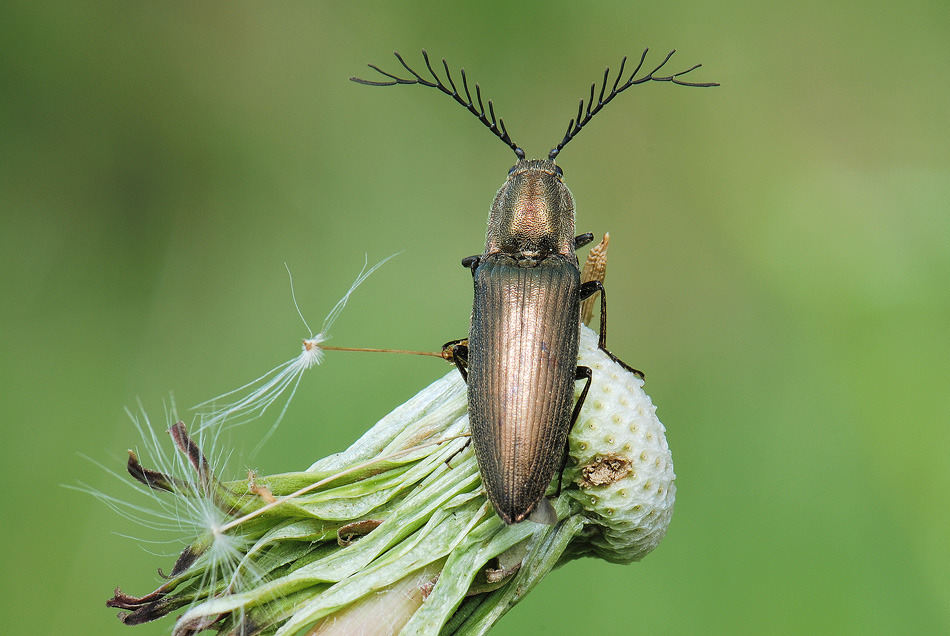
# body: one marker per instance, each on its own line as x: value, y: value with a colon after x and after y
x: 520, y: 357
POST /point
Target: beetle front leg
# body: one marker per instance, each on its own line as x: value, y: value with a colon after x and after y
x: 587, y: 290
x: 456, y: 351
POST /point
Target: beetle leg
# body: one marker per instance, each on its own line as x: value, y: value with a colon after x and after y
x: 471, y: 262
x: 587, y: 290
x: 582, y: 240
x: 582, y: 373
x: 456, y: 351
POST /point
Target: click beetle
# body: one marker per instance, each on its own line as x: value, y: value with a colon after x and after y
x: 520, y: 357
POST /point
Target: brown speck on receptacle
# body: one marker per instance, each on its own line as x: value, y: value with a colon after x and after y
x: 604, y: 470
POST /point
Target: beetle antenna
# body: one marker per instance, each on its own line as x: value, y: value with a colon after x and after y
x: 584, y: 116
x: 496, y: 126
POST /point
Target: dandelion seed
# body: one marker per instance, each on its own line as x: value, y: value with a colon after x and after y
x: 254, y: 398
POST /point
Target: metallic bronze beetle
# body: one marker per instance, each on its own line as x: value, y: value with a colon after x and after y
x: 520, y: 357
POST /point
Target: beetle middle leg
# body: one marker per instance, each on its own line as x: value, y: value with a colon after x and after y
x: 588, y: 289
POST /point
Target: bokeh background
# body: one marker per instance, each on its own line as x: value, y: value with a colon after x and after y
x: 780, y: 267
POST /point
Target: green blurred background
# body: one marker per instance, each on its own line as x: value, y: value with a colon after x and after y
x: 780, y: 266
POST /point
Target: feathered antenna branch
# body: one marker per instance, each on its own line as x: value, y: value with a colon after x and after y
x: 496, y: 126
x: 583, y: 117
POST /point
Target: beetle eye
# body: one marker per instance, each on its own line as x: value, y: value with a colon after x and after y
x: 557, y: 169
x: 512, y: 170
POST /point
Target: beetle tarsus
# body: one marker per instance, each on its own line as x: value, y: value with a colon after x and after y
x: 456, y: 453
